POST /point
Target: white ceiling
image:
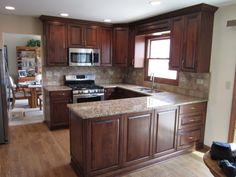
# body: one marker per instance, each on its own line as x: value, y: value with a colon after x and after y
x: 118, y: 11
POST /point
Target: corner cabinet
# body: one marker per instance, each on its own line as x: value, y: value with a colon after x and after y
x: 120, y: 46
x: 191, y: 39
x: 56, y: 111
x: 106, y: 46
x: 55, y: 38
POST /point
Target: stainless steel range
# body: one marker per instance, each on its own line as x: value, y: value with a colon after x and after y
x: 84, y: 88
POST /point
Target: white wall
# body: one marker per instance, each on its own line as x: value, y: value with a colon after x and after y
x: 223, y: 60
x: 19, y: 25
x: 12, y: 40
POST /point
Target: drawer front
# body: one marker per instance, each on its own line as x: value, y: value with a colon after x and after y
x: 188, y: 138
x: 190, y: 120
x: 192, y: 108
x: 60, y: 94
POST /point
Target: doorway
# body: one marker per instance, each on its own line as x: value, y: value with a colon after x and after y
x: 23, y: 53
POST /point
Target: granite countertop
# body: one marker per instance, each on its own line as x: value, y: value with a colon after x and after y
x: 160, y: 101
x: 57, y: 88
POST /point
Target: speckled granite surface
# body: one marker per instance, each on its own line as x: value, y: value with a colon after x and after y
x: 57, y: 88
x: 159, y: 100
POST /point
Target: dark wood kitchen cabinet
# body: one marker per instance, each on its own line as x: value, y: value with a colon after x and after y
x: 191, y: 125
x: 112, y: 145
x: 83, y: 36
x: 106, y: 46
x: 120, y: 46
x: 138, y: 137
x: 55, y: 106
x: 165, y: 136
x: 55, y: 38
x: 105, y: 138
x: 191, y: 39
x: 119, y: 93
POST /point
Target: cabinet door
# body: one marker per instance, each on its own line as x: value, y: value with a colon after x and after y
x: 91, y: 36
x: 192, y: 23
x: 176, y: 43
x: 138, y: 137
x: 75, y: 35
x: 56, y: 49
x: 105, y: 138
x: 165, y: 127
x: 120, y: 46
x: 106, y: 47
x: 59, y: 112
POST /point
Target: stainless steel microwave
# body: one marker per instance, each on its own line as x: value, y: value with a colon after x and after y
x: 84, y: 57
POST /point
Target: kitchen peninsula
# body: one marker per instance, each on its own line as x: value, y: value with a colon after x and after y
x: 112, y: 137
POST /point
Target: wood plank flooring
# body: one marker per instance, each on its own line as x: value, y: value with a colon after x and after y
x: 34, y: 151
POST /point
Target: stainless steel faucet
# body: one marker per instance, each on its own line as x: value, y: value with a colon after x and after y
x: 152, y: 78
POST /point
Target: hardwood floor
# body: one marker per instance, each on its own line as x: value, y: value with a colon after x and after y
x: 34, y: 151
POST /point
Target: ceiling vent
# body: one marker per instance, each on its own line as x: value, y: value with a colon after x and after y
x: 231, y: 23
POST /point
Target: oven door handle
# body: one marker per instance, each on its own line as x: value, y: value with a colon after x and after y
x: 88, y: 96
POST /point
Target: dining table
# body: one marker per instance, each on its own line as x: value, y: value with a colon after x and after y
x: 33, y: 87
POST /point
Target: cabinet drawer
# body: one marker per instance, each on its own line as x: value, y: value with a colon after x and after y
x: 190, y: 120
x: 192, y: 108
x: 187, y: 138
x: 60, y: 94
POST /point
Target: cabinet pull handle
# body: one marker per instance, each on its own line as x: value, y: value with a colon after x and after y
x: 192, y: 108
x: 191, y: 137
x: 191, y: 120
x: 182, y: 63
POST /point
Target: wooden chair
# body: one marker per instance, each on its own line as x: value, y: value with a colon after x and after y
x: 18, y: 93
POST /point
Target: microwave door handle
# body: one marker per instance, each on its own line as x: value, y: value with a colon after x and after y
x: 92, y: 58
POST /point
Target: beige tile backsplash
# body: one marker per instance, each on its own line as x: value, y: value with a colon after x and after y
x: 193, y: 84
x: 104, y: 75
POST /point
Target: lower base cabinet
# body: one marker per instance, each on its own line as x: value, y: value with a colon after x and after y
x: 114, y: 145
x: 165, y: 136
x: 55, y: 106
x: 137, y: 137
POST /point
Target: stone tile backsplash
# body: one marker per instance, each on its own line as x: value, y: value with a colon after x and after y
x: 104, y: 75
x: 193, y: 84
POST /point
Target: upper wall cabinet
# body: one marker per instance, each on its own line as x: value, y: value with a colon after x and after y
x: 120, y: 46
x: 106, y: 46
x: 55, y: 40
x: 152, y: 27
x: 191, y: 39
x: 83, y: 36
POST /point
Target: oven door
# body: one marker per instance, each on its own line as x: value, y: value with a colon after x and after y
x: 80, y: 98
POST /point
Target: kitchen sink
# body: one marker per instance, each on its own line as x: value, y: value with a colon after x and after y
x: 148, y: 90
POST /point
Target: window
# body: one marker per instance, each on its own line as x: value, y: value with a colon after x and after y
x: 157, y: 60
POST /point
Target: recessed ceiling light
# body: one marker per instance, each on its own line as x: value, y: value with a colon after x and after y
x: 154, y: 2
x: 64, y: 14
x: 10, y: 8
x: 107, y: 20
